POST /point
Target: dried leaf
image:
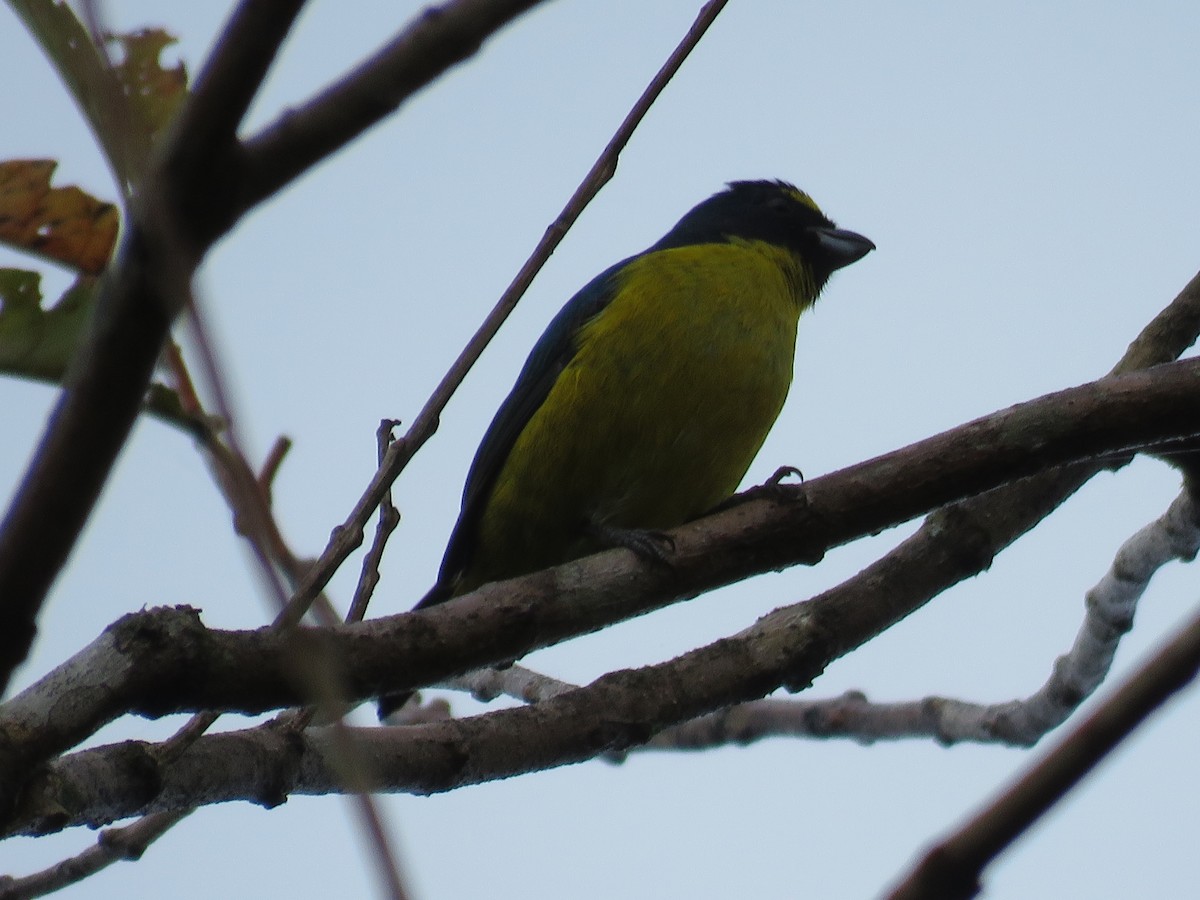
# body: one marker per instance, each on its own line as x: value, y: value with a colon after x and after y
x: 64, y: 224
x: 127, y: 105
x: 154, y: 92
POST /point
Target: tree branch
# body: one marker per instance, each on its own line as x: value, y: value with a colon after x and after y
x: 166, y: 661
x: 951, y: 869
x: 1076, y: 675
x: 251, y: 671
x: 615, y: 712
x: 113, y: 845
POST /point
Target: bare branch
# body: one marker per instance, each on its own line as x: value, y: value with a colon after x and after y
x: 514, y: 681
x: 113, y: 845
x: 609, y: 714
x: 230, y: 79
x: 252, y: 671
x: 386, y: 863
x: 389, y: 518
x: 85, y: 432
x: 271, y: 465
x: 165, y: 660
x: 952, y: 868
x: 1111, y: 605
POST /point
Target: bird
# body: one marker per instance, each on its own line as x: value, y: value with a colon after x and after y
x: 646, y: 399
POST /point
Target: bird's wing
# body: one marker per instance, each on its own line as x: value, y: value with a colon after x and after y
x: 550, y: 355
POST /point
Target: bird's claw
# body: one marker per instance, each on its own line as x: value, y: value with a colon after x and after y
x: 781, y: 473
x: 771, y: 489
x: 651, y: 546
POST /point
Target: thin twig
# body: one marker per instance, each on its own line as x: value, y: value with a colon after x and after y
x: 181, y: 381
x: 387, y: 862
x: 251, y: 510
x: 389, y: 518
x: 270, y: 467
x: 113, y: 845
x: 248, y: 495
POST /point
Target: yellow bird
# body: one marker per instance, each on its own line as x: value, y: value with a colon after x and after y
x: 649, y: 394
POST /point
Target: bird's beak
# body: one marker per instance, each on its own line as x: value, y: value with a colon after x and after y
x: 842, y: 247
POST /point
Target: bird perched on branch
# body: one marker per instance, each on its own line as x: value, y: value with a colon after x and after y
x: 646, y: 399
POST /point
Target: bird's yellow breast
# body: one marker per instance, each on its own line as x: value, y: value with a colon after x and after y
x: 657, y: 416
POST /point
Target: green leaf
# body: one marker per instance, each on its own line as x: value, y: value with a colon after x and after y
x: 40, y: 343
x: 36, y: 342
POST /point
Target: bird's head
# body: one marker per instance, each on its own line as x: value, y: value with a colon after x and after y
x: 775, y: 213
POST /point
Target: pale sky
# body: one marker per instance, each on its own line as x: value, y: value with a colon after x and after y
x: 1028, y: 172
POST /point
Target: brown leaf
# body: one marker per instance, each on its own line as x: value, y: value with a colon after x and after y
x: 65, y: 224
x: 153, y: 91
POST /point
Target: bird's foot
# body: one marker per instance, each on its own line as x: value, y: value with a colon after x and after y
x: 651, y: 546
x: 774, y: 489
x: 781, y: 473
x: 771, y: 489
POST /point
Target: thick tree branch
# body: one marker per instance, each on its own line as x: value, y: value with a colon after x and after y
x: 937, y: 556
x: 86, y: 431
x: 229, y: 81
x: 615, y: 713
x: 1076, y: 675
x: 166, y: 661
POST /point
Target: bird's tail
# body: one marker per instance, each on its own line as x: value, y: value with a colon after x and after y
x: 439, y: 593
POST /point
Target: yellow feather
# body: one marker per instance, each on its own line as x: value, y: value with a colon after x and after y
x: 661, y: 410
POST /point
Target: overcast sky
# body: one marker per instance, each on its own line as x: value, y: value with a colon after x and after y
x: 1028, y: 172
